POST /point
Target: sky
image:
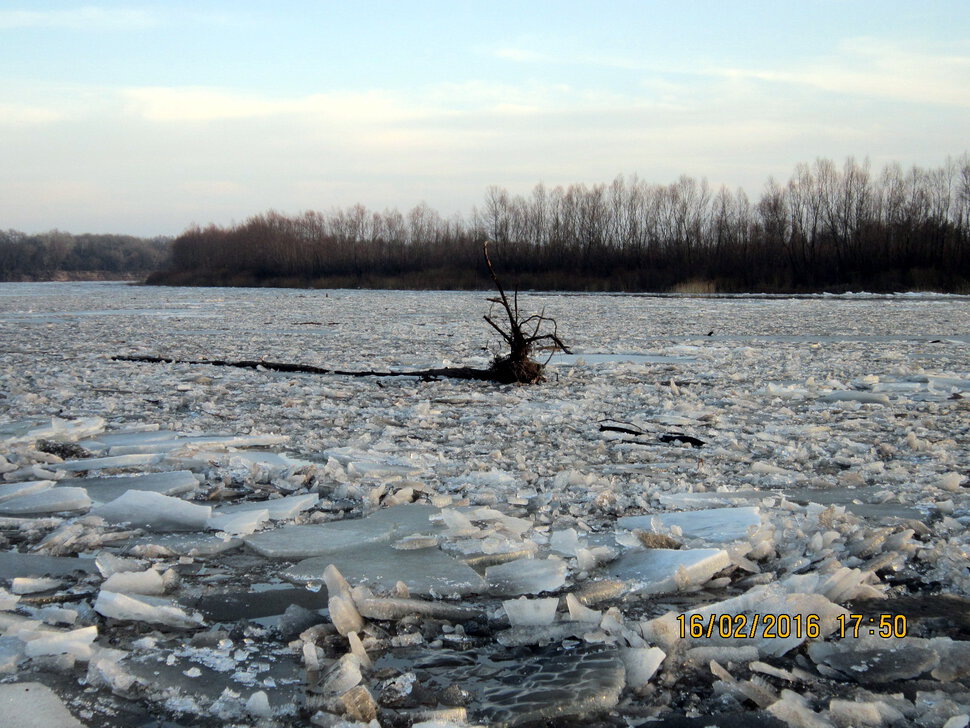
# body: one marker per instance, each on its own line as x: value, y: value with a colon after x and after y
x: 145, y: 118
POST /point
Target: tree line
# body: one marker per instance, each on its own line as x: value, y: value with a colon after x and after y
x: 829, y: 227
x: 58, y: 255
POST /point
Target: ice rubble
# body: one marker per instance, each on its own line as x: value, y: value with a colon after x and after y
x: 493, y: 549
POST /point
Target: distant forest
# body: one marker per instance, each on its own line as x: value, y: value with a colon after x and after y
x: 826, y: 228
x: 58, y: 255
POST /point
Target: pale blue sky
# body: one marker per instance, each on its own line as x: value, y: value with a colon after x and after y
x: 145, y: 117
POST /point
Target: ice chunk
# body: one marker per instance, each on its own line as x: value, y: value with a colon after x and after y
x: 241, y: 523
x: 258, y: 705
x: 837, y: 585
x: 25, y: 488
x: 109, y: 564
x: 117, y: 461
x: 641, y: 664
x: 277, y: 508
x: 104, y: 490
x: 57, y: 615
x: 380, y: 566
x: 29, y: 431
x: 344, y: 614
x: 359, y: 705
x: 8, y: 601
x: 343, y: 611
x: 396, y: 608
x: 416, y: 541
x: 128, y: 439
x: 565, y: 542
x: 32, y: 585
x: 717, y: 525
x: 794, y: 710
x: 301, y: 542
x: 145, y: 609
x: 580, y: 613
x: 228, y: 441
x: 458, y: 523
x: 853, y: 396
x: 663, y: 571
x: 526, y: 612
x: 74, y: 642
x: 863, y: 714
x: 51, y: 500
x: 526, y: 576
x: 11, y: 654
x: 34, y: 705
x: 185, y: 544
x: 105, y: 670
x: 144, y: 509
x: 137, y: 582
x: 874, y: 665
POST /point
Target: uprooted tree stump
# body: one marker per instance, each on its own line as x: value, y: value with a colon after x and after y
x: 518, y: 366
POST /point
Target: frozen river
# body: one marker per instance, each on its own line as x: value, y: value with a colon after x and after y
x: 538, y: 532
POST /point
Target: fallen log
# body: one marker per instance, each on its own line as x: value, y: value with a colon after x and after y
x: 484, y: 375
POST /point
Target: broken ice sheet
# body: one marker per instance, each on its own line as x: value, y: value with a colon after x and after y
x: 106, y: 489
x: 380, y: 566
x: 27, y: 487
x: 301, y: 542
x: 664, y: 571
x: 526, y: 612
x: 146, y: 509
x: 873, y: 663
x: 34, y: 705
x: 48, y: 641
x: 716, y: 525
x: 139, y: 440
x: 277, y: 509
x: 27, y: 431
x: 185, y: 544
x: 117, y: 461
x: 32, y: 585
x: 142, y: 608
x: 526, y: 576
x: 551, y: 685
x: 242, y: 523
x: 865, y: 502
x: 50, y: 500
x: 138, y: 582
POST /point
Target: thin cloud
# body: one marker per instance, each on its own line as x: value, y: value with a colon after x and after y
x: 85, y: 18
x: 867, y: 67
